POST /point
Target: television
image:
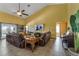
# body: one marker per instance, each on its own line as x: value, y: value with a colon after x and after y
x: 39, y: 27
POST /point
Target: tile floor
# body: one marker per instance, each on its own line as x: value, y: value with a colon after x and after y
x: 52, y: 48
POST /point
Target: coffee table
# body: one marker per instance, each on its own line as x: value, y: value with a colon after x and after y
x: 31, y: 40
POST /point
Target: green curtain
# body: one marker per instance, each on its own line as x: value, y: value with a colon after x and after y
x: 72, y: 23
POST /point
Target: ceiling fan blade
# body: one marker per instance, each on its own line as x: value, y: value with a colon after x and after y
x: 23, y: 10
x: 25, y: 14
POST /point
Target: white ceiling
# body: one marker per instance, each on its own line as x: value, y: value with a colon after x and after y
x: 12, y: 7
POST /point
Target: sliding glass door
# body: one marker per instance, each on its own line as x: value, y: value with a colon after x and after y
x: 7, y: 28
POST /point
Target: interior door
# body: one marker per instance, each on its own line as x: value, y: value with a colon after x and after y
x: 63, y: 27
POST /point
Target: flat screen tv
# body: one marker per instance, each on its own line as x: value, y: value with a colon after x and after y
x: 39, y: 27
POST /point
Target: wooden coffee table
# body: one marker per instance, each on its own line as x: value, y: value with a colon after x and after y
x: 32, y: 41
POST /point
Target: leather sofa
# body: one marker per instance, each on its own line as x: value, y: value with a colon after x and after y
x: 15, y: 39
x: 45, y: 37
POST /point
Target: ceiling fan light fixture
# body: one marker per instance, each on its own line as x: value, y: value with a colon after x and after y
x: 19, y: 13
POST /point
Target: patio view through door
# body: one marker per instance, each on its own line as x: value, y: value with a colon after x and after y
x: 7, y: 28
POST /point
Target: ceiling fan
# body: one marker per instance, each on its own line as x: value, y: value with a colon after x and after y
x: 21, y: 12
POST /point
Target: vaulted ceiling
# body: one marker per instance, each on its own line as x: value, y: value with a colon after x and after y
x: 11, y: 8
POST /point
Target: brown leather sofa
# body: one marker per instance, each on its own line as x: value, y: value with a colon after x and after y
x: 16, y: 39
x: 45, y: 37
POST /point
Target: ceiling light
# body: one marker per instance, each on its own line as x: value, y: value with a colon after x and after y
x: 19, y: 13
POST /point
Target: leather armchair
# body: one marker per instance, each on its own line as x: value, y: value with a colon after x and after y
x: 69, y: 40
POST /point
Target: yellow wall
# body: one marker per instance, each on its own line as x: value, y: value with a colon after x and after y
x: 72, y: 8
x: 49, y: 16
x: 7, y: 18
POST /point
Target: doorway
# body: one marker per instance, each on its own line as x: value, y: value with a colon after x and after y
x: 58, y: 33
x: 61, y: 28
